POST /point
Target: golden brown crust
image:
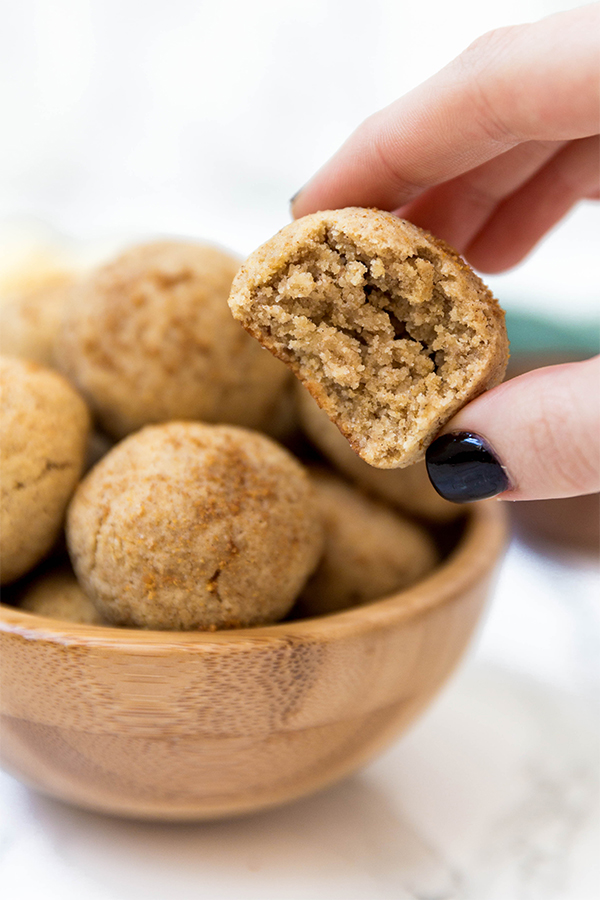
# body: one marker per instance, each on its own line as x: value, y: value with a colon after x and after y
x: 370, y: 551
x: 149, y: 337
x: 44, y: 427
x: 409, y: 489
x: 390, y: 330
x: 58, y: 595
x: 30, y: 320
x: 191, y: 526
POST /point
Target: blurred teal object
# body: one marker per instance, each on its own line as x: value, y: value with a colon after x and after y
x: 532, y: 334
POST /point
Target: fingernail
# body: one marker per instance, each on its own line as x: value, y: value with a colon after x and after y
x: 294, y: 198
x: 462, y: 467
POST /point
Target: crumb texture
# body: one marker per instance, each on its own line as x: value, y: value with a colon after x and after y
x: 409, y: 489
x: 191, y: 526
x: 389, y: 329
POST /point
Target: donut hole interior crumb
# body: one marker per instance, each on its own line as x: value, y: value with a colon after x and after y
x: 381, y: 336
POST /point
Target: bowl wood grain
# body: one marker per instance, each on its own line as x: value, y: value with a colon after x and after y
x: 166, y: 725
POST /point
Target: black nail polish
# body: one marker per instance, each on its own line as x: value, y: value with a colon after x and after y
x: 463, y: 467
x: 295, y: 197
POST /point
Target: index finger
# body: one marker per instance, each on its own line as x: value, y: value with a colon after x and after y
x: 528, y: 82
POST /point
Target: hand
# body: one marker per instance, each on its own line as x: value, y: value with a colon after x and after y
x: 489, y: 154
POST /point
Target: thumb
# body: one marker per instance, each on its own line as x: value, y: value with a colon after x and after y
x: 532, y: 438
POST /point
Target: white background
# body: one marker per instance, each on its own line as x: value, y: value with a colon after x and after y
x: 125, y: 118
x: 122, y: 118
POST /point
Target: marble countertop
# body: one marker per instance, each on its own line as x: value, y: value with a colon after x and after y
x: 492, y: 796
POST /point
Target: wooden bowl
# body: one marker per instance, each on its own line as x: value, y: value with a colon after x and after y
x: 169, y: 725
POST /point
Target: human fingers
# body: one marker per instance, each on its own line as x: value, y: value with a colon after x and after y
x: 528, y: 82
x: 532, y: 438
x: 457, y: 210
x: 523, y: 218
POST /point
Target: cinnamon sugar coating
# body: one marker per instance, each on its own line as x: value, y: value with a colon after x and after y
x: 30, y: 319
x: 191, y: 526
x: 149, y: 338
x: 387, y: 327
x: 58, y: 595
x: 44, y: 426
x: 370, y: 551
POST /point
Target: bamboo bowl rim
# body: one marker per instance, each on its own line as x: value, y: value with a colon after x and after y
x: 473, y: 556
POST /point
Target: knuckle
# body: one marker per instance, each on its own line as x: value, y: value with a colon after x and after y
x: 383, y: 147
x: 481, y: 68
x: 488, y: 47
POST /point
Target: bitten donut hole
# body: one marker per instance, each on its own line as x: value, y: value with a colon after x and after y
x: 378, y: 334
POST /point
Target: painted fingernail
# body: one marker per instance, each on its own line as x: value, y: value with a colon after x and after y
x: 294, y: 198
x: 462, y: 467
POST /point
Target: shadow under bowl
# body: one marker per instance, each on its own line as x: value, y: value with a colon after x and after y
x: 182, y: 725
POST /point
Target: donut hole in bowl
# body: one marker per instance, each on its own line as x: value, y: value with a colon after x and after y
x: 189, y: 725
